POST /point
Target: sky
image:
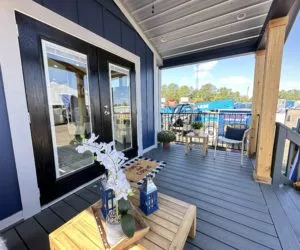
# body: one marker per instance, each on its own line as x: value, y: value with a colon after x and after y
x: 237, y: 73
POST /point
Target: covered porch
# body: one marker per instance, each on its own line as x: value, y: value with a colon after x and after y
x: 233, y: 211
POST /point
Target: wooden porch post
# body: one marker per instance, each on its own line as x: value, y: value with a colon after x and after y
x: 256, y: 99
x: 275, y: 41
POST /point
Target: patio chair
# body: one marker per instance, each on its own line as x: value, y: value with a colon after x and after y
x: 234, y: 136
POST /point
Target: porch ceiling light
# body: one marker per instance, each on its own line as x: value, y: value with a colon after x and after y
x: 163, y: 39
x: 241, y: 16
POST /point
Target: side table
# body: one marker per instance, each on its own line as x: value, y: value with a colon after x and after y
x: 199, y: 139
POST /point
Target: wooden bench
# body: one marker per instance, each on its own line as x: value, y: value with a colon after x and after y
x: 169, y: 228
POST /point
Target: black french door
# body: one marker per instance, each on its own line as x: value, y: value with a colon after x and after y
x: 73, y: 89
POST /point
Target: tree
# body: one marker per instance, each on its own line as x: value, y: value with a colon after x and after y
x: 292, y: 94
x: 183, y: 91
x: 207, y: 92
x: 170, y: 92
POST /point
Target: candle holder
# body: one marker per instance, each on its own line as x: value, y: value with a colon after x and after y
x: 148, y: 196
x: 107, y: 197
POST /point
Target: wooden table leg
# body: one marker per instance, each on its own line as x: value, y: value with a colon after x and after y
x: 192, y: 233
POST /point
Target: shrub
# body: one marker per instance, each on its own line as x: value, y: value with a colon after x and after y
x: 166, y: 136
x: 197, y: 125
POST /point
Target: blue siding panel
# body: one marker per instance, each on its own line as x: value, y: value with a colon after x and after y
x: 128, y: 38
x: 112, y: 27
x: 66, y: 8
x: 114, y: 9
x: 94, y: 10
x: 10, y: 199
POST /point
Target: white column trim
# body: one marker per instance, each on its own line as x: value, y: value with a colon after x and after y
x: 17, y: 113
x: 14, y: 89
x: 156, y: 100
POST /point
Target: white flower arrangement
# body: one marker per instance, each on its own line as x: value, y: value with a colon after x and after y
x: 112, y: 160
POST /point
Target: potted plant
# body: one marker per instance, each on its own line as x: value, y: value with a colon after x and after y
x: 197, y: 127
x: 165, y: 137
x: 119, y: 223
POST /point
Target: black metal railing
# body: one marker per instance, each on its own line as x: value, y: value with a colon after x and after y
x: 214, y: 123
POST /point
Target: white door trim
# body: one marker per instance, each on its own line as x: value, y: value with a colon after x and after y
x: 14, y: 89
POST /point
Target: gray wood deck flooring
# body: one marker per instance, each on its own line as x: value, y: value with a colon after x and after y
x: 233, y: 212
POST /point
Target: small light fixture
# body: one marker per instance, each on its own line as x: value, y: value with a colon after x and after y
x: 163, y: 39
x: 241, y: 16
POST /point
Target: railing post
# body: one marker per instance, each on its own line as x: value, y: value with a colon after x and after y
x: 279, y: 145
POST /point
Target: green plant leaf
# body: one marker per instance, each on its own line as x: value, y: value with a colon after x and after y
x: 123, y: 206
x: 128, y: 225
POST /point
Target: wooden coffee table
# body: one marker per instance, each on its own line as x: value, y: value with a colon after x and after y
x: 169, y: 228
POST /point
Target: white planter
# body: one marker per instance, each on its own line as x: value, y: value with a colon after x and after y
x: 197, y: 131
x: 114, y: 233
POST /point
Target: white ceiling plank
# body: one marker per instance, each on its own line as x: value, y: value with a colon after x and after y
x: 187, y: 11
x: 213, y: 23
x: 160, y: 27
x: 212, y: 33
x: 133, y: 5
x: 180, y: 27
x: 139, y: 31
x: 160, y: 6
x: 217, y: 40
x: 215, y: 46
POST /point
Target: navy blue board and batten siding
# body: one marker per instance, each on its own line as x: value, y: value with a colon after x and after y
x: 10, y: 201
x: 104, y: 18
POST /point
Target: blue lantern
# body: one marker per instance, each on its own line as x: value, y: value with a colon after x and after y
x: 148, y: 196
x: 108, y: 198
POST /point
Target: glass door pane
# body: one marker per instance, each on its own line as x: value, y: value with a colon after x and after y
x: 121, y: 106
x: 69, y: 106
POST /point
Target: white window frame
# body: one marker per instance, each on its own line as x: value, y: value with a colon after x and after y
x: 121, y: 69
x: 46, y: 43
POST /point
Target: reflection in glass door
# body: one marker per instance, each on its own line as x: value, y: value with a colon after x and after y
x: 69, y: 106
x: 121, y: 106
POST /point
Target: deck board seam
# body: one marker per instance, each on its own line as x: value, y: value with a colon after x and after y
x: 211, y: 189
x: 218, y: 184
x: 191, y: 243
x: 82, y: 197
x: 218, y: 206
x: 57, y: 214
x: 234, y: 234
x: 205, y: 175
x: 41, y: 225
x: 20, y: 236
x: 189, y: 240
x: 201, y: 193
x: 239, y: 223
x: 234, y: 168
x: 233, y: 176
